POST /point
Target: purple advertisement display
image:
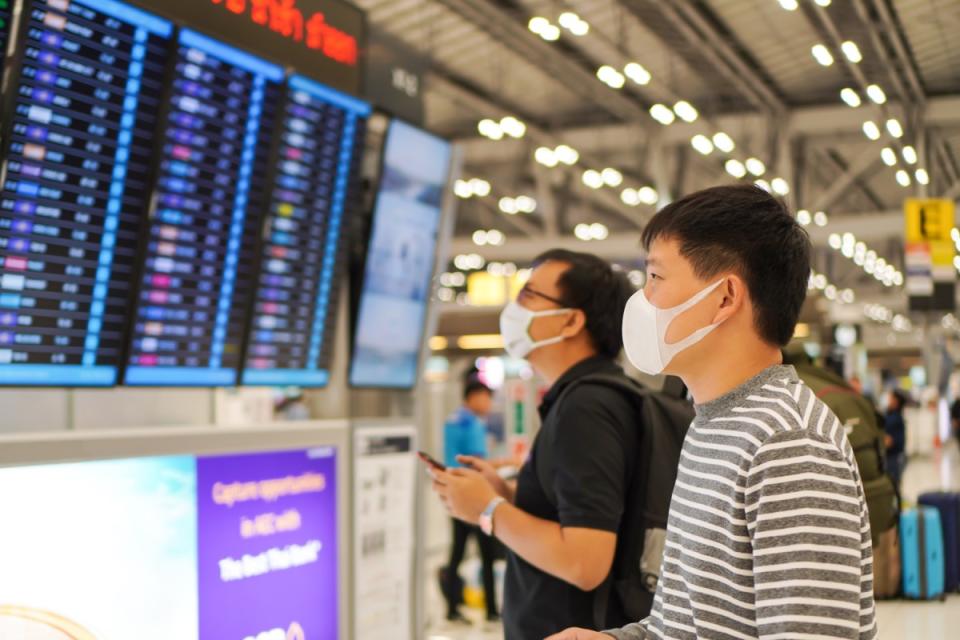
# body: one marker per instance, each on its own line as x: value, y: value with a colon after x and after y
x: 267, y: 526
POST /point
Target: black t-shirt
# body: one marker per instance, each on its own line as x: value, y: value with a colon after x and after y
x: 585, y: 449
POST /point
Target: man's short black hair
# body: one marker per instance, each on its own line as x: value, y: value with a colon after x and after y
x: 474, y: 385
x: 743, y: 228
x: 592, y: 285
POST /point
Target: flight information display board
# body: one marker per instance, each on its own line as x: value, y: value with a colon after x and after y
x: 321, y: 138
x: 74, y: 187
x: 214, y: 146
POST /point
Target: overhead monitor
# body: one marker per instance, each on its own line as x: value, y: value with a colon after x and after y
x: 189, y: 323
x: 314, y: 186
x: 400, y: 261
x: 73, y: 187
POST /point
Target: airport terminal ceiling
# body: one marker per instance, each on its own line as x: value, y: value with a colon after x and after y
x: 748, y: 95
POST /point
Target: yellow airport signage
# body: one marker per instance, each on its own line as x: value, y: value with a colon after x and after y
x: 929, y: 220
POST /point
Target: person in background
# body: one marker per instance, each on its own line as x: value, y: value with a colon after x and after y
x: 896, y: 439
x: 955, y: 419
x: 769, y: 531
x: 465, y: 434
x: 560, y: 524
x: 856, y: 384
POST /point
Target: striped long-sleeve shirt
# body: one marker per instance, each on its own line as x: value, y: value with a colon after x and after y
x: 768, y: 533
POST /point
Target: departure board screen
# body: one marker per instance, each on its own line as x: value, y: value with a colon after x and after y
x: 321, y: 138
x: 214, y: 148
x: 74, y: 187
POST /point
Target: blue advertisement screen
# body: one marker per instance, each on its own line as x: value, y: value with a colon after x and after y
x: 400, y: 259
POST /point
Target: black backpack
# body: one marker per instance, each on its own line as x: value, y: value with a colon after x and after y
x: 663, y: 420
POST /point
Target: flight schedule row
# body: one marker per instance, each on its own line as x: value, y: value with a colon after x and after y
x: 171, y: 207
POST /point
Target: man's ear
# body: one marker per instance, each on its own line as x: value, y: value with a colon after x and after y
x: 576, y: 322
x: 734, y: 295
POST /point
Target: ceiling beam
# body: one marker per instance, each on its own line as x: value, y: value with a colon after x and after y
x: 520, y: 149
x: 863, y: 163
x: 505, y: 29
x: 835, y: 164
x: 908, y: 94
x: 495, y: 219
x: 904, y: 54
x: 700, y: 30
x: 874, y: 228
x: 818, y: 122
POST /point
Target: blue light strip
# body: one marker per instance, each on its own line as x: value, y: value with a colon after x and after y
x: 132, y: 15
x: 282, y: 377
x: 57, y: 375
x: 235, y: 57
x: 236, y: 224
x: 322, y: 92
x: 333, y: 235
x: 180, y: 376
x: 115, y: 201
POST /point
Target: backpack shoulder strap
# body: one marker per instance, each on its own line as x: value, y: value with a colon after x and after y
x: 835, y: 389
x: 627, y: 386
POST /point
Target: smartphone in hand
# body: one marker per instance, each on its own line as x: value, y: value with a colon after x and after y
x: 431, y: 461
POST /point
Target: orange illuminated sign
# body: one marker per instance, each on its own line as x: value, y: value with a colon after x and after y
x: 285, y: 19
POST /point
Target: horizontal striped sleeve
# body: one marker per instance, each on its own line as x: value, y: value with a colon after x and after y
x: 804, y: 516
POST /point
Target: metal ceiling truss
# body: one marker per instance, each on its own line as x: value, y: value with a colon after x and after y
x: 485, y: 106
x: 505, y: 28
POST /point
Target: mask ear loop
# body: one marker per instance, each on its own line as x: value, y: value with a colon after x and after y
x: 546, y: 313
x: 696, y: 336
x: 696, y: 299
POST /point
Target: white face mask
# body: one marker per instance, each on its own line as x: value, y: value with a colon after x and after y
x: 515, y: 329
x: 645, y: 330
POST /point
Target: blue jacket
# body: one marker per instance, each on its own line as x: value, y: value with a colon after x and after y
x: 464, y: 434
x: 895, y: 428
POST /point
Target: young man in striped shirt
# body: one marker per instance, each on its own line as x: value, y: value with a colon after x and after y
x: 768, y: 533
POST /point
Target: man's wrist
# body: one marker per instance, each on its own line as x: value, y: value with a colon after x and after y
x: 486, y: 518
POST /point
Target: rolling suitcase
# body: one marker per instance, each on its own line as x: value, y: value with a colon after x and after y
x: 948, y: 504
x: 921, y: 545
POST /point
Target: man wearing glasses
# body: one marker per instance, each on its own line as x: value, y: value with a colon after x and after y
x: 560, y: 523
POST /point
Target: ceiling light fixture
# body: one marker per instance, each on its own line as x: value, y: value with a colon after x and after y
x: 822, y: 55
x: 875, y: 93
x: 662, y: 114
x: 735, y: 168
x: 723, y: 142
x: 702, y: 144
x: 851, y: 51
x: 850, y: 96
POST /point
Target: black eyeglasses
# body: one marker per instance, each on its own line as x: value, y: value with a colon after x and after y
x: 528, y: 291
